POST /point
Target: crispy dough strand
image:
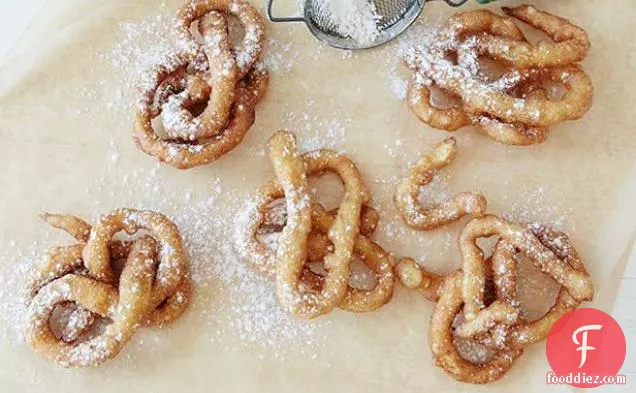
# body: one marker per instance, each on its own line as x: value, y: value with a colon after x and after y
x: 125, y: 307
x: 514, y: 110
x: 577, y: 283
x: 275, y: 219
x: 461, y: 24
x: 230, y: 81
x: 517, y: 134
x: 480, y: 98
x: 82, y: 274
x: 72, y: 225
x: 172, y: 270
x: 441, y: 340
x: 55, y: 263
x: 482, y: 21
x: 177, y: 120
x: 371, y: 254
x: 412, y: 276
x: 291, y: 252
x: 188, y: 155
x: 341, y: 234
x: 407, y: 191
x: 533, y: 110
x: 325, y: 241
x: 248, y: 52
x: 571, y: 43
x: 504, y: 274
x: 346, y: 224
x: 449, y: 119
x: 247, y: 226
x: 498, y: 326
x: 319, y: 246
x: 455, y: 117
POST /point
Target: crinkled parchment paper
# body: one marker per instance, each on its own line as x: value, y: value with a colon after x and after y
x: 65, y: 146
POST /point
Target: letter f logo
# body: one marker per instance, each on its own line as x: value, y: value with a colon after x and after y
x: 583, y: 344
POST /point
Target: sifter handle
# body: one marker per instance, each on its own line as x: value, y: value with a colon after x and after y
x: 455, y: 3
x: 277, y: 19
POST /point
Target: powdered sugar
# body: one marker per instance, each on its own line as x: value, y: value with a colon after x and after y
x: 355, y: 19
x: 435, y: 192
x: 113, y: 151
x: 315, y: 130
x: 279, y: 56
x: 421, y: 34
x: 132, y: 56
x: 537, y: 204
x: 12, y: 294
x: 248, y: 303
x: 246, y: 306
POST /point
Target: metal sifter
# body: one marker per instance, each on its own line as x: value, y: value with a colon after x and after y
x: 395, y: 16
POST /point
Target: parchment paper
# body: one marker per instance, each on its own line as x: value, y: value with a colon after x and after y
x: 66, y: 146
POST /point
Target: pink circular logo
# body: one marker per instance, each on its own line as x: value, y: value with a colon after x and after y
x: 585, y: 348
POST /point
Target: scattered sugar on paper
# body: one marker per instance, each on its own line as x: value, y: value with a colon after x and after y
x: 280, y: 56
x: 434, y: 248
x: 249, y: 303
x: 421, y: 34
x: 251, y: 307
x: 314, y: 130
x: 12, y: 295
x: 537, y: 204
x: 435, y: 192
x: 113, y: 151
x: 142, y: 44
x: 248, y: 309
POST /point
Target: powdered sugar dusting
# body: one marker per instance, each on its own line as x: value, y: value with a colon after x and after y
x: 435, y: 192
x: 537, y: 205
x: 132, y: 55
x: 421, y: 34
x: 12, y: 294
x: 314, y: 130
x: 280, y: 56
x: 355, y: 19
x: 248, y: 306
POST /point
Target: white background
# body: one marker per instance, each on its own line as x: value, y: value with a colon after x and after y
x: 16, y: 15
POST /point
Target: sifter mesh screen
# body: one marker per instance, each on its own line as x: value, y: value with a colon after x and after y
x: 390, y: 12
x: 394, y: 16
